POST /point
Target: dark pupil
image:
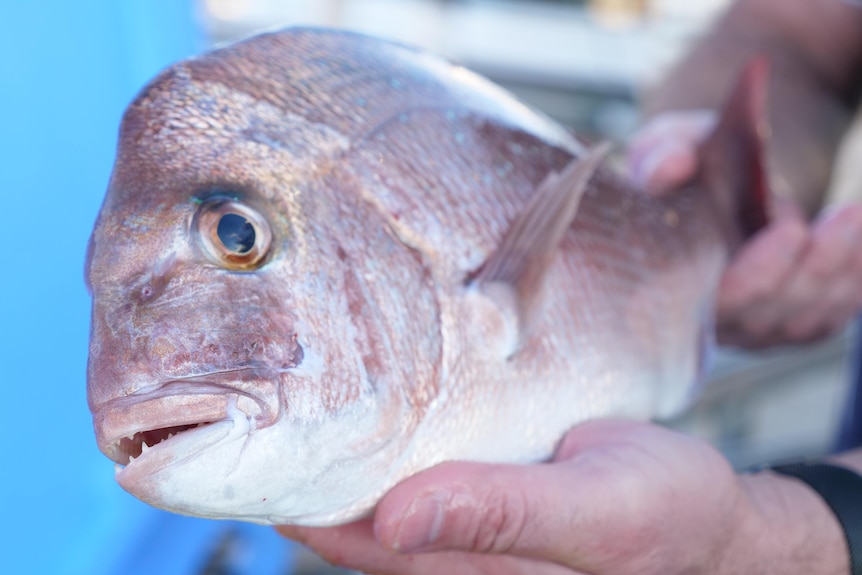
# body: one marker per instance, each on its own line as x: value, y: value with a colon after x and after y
x: 236, y: 233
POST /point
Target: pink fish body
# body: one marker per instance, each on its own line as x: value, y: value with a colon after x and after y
x: 326, y: 262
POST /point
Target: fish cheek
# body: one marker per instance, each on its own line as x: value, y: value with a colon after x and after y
x: 204, y: 323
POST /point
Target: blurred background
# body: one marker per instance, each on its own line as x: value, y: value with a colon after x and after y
x: 67, y: 70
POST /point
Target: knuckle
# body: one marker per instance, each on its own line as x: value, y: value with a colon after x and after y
x: 822, y: 267
x: 637, y: 547
x: 795, y: 331
x: 756, y: 328
x: 746, y: 286
x: 502, y: 522
x: 792, y: 232
x: 855, y: 217
x: 848, y: 215
x: 757, y: 290
x: 805, y: 329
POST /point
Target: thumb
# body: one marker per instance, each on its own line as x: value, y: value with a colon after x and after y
x: 555, y: 512
x: 663, y: 155
x: 464, y: 506
x: 663, y: 168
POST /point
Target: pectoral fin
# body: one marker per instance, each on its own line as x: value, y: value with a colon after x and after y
x: 514, y: 273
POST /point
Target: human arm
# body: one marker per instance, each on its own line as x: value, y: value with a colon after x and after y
x: 619, y: 498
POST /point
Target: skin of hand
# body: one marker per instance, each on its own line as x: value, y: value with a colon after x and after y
x: 814, y: 50
x: 793, y: 282
x: 619, y: 498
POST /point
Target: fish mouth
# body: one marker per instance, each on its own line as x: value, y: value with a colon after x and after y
x: 127, y: 449
x: 176, y: 413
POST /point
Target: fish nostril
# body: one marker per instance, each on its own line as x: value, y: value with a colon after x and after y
x: 149, y: 291
x: 153, y: 284
x: 298, y: 355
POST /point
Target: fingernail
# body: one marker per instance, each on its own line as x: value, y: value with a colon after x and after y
x: 647, y: 165
x: 421, y: 524
x: 849, y: 229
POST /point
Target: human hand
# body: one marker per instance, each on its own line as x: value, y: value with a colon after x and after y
x: 794, y: 281
x: 619, y: 498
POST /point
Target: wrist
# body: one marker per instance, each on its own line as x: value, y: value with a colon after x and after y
x: 786, y: 528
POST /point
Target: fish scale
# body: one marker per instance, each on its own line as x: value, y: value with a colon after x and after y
x: 484, y: 214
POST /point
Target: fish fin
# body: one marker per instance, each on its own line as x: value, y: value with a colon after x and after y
x: 513, y: 274
x: 733, y: 158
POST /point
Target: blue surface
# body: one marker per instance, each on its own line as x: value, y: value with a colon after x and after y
x: 67, y: 70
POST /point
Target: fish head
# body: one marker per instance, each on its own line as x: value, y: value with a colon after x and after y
x: 240, y: 363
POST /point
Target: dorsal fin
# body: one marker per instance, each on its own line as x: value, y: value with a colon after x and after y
x: 526, y: 251
x: 733, y: 158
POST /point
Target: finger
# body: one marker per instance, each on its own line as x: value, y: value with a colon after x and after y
x: 665, y: 168
x: 337, y: 545
x: 350, y: 546
x: 762, y: 265
x: 663, y: 155
x: 688, y: 125
x: 847, y: 298
x: 825, y: 292
x: 749, y: 303
x: 473, y: 507
x: 354, y: 547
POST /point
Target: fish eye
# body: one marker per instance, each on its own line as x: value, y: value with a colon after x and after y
x: 232, y: 234
x: 236, y: 233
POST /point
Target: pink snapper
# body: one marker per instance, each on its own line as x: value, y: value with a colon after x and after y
x: 326, y: 262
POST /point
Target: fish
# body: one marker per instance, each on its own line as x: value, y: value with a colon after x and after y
x: 326, y: 262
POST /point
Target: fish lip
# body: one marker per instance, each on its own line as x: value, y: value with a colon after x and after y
x: 135, y: 476
x: 123, y: 424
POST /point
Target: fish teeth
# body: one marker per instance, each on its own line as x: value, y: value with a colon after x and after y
x: 144, y: 447
x: 170, y: 435
x: 131, y: 458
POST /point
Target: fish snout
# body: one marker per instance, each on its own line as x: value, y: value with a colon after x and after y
x: 161, y: 335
